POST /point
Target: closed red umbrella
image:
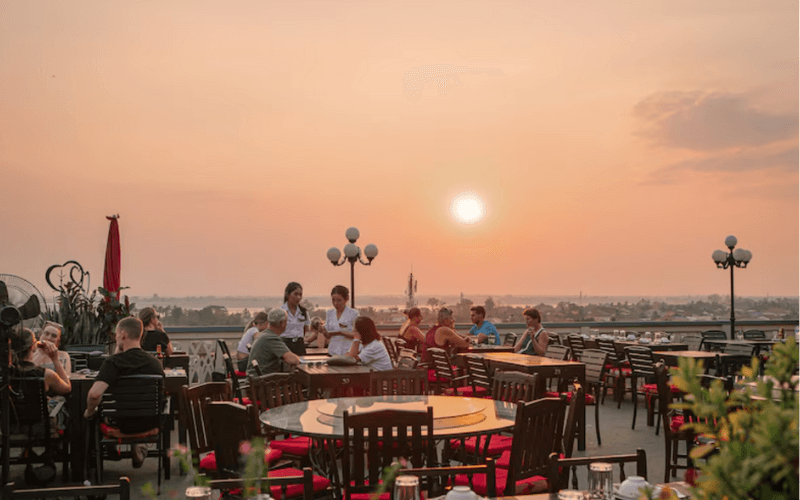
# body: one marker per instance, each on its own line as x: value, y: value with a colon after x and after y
x: 111, y: 271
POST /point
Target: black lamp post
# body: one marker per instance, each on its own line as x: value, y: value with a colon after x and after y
x: 735, y: 258
x: 352, y: 254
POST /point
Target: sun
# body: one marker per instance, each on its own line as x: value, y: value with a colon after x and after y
x: 467, y: 207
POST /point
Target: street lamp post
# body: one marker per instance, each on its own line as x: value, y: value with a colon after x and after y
x: 352, y: 254
x: 735, y: 258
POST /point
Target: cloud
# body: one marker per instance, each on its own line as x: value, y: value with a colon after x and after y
x: 714, y: 121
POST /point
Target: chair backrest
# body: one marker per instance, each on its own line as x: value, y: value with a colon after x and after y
x: 273, y: 390
x: 29, y: 402
x: 595, y: 361
x: 540, y: 422
x: 510, y: 339
x: 478, y: 373
x: 271, y: 484
x: 712, y: 335
x: 193, y: 416
x: 78, y: 360
x: 607, y: 346
x: 374, y: 440
x: 398, y: 382
x: 231, y: 423
x: 755, y: 335
x: 513, y: 387
x: 229, y: 369
x: 577, y: 405
x: 554, y: 338
x: 661, y: 371
x: 559, y: 470
x: 559, y: 352
x: 256, y: 367
x: 641, y: 360
x: 391, y: 348
x: 693, y: 341
x: 577, y: 344
x: 440, y: 363
x: 435, y: 480
x: 134, y: 399
x: 123, y: 489
x: 743, y: 349
x: 407, y: 359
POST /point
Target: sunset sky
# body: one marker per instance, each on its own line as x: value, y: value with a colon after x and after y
x: 615, y: 144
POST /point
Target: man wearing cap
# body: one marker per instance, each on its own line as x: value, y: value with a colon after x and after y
x: 269, y: 349
x: 485, y: 331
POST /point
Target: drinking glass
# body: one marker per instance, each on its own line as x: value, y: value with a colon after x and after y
x: 571, y: 495
x: 622, y: 334
x: 406, y: 488
x: 601, y: 481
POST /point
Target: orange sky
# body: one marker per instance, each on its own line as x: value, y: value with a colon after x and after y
x: 616, y: 144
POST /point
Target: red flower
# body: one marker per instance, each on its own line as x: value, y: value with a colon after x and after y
x: 691, y: 476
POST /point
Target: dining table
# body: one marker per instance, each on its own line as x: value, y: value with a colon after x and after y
x: 546, y: 368
x: 654, y: 346
x: 760, y: 344
x: 717, y: 358
x: 78, y: 428
x: 320, y: 378
x: 322, y: 419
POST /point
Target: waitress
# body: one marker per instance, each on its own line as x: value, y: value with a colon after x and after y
x: 297, y: 321
x: 339, y: 322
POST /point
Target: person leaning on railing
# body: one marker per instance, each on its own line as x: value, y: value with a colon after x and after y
x: 534, y: 340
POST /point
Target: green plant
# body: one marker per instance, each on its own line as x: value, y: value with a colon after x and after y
x: 753, y: 451
x: 88, y: 319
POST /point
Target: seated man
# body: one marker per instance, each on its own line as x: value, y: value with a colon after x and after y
x: 243, y: 350
x: 485, y: 331
x: 128, y: 359
x: 269, y: 349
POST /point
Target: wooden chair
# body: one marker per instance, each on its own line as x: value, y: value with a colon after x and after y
x: 559, y: 469
x: 513, y: 386
x: 577, y: 344
x: 444, y: 375
x: 30, y: 416
x: 271, y: 391
x: 374, y: 440
x: 480, y: 383
x: 192, y: 406
x: 398, y: 382
x: 391, y: 348
x: 672, y: 421
x: 233, y: 423
x: 754, y: 335
x: 135, y: 400
x: 230, y: 372
x: 693, y: 341
x: 407, y: 359
x: 576, y: 400
x: 641, y: 361
x: 123, y: 489
x: 595, y: 361
x: 510, y: 339
x: 712, y: 335
x: 278, y: 486
x: 540, y: 422
x: 554, y: 338
x: 558, y: 352
x: 738, y: 355
x: 616, y: 370
x: 435, y: 480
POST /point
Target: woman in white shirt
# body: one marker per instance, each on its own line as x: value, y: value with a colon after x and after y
x: 367, y: 346
x: 297, y: 321
x: 339, y: 322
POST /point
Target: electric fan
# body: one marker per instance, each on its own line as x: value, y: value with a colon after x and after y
x: 19, y: 291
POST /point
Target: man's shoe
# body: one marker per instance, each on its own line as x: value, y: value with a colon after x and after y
x: 138, y: 454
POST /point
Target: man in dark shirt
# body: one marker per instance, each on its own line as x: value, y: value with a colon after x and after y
x: 129, y: 359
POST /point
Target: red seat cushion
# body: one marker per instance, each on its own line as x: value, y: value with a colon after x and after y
x: 432, y: 378
x: 295, y: 490
x: 676, y: 422
x: 297, y: 446
x: 535, y: 484
x: 653, y: 388
x: 114, y: 432
x: 209, y: 462
x: 497, y: 445
x: 245, y: 401
x: 589, y: 398
x: 240, y: 374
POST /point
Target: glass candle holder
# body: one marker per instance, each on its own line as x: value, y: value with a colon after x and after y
x: 601, y: 481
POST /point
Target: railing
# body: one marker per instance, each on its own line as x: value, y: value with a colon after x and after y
x: 199, y: 342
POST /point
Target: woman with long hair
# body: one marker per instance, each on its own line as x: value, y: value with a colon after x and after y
x: 298, y: 320
x: 339, y: 322
x: 410, y: 332
x: 154, y: 334
x: 367, y: 347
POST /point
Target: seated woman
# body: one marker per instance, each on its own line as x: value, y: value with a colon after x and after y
x: 410, y: 332
x: 258, y: 325
x: 367, y: 346
x: 443, y: 334
x: 51, y: 332
x: 534, y: 340
x: 154, y: 334
x: 56, y: 381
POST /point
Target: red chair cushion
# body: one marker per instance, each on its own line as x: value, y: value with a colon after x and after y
x: 245, y: 401
x: 432, y: 378
x: 676, y: 422
x: 535, y: 484
x: 240, y: 374
x: 497, y: 445
x: 209, y: 462
x: 297, y: 446
x: 114, y: 433
x: 653, y: 388
x: 588, y: 398
x: 295, y: 490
